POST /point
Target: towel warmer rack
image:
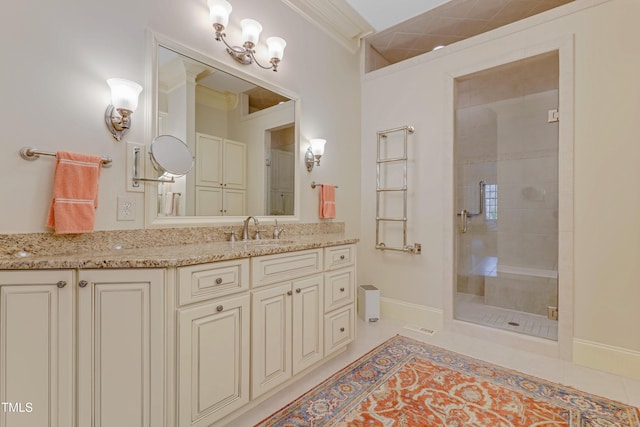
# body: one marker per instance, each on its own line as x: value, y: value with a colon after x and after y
x: 381, y: 164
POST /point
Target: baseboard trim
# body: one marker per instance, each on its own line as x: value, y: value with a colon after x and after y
x: 616, y: 360
x: 412, y: 313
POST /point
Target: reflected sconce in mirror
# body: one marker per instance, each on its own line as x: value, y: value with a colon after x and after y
x: 314, y: 153
x: 124, y: 101
x: 219, y: 11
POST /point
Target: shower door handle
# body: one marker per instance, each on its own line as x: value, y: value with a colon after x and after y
x: 464, y: 215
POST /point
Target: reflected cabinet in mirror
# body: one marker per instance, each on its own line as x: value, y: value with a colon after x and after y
x: 242, y: 134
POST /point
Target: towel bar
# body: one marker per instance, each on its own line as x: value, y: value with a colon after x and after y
x: 32, y: 153
x: 316, y: 184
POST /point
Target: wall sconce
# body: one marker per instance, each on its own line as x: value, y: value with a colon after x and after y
x: 314, y: 152
x: 124, y: 101
x: 219, y: 11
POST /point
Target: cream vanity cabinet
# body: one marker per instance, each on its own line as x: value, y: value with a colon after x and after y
x: 286, y: 317
x: 221, y: 176
x: 117, y: 345
x: 212, y: 377
x: 36, y: 347
x: 120, y: 363
x: 339, y: 297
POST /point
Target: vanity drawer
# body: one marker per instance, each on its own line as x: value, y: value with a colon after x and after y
x: 339, y: 256
x: 205, y: 281
x: 280, y: 267
x: 339, y: 329
x: 339, y: 288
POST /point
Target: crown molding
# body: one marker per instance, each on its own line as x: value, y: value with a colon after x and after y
x: 337, y: 18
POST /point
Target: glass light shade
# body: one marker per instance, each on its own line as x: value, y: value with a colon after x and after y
x: 250, y: 30
x: 276, y: 47
x: 219, y: 11
x: 317, y: 146
x: 124, y: 93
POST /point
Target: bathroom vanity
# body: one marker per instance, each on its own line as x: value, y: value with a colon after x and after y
x: 181, y: 335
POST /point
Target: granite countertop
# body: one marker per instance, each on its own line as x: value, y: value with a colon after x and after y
x: 169, y: 256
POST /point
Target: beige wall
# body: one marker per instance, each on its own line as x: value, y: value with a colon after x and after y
x: 56, y: 59
x: 606, y: 242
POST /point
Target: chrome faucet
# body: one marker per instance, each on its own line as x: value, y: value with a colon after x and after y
x: 245, y: 228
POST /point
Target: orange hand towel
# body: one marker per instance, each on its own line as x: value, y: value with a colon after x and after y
x: 75, y: 193
x: 327, y: 201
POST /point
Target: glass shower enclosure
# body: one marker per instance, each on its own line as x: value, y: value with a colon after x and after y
x: 506, y: 196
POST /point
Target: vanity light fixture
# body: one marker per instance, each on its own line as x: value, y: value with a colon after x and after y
x: 124, y: 101
x: 219, y: 11
x: 314, y: 152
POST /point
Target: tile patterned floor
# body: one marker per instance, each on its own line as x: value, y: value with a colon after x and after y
x: 372, y: 334
x: 471, y: 308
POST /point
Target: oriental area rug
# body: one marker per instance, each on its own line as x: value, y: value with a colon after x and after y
x: 407, y: 383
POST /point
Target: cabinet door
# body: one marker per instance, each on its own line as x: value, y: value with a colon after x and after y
x: 307, y: 322
x: 36, y: 348
x: 208, y: 201
x: 271, y: 338
x: 234, y: 202
x: 120, y: 348
x: 213, y: 371
x: 208, y: 160
x: 234, y: 165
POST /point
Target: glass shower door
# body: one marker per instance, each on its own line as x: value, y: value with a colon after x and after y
x: 506, y: 174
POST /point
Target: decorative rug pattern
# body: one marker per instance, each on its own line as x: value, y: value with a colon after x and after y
x: 407, y: 383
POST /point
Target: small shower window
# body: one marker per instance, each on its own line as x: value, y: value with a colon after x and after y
x: 491, y: 202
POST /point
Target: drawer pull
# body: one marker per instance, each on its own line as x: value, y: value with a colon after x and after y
x: 341, y: 257
x: 61, y: 284
x: 219, y: 281
x: 298, y: 290
x: 341, y: 289
x: 341, y: 329
x: 219, y: 308
x: 83, y: 283
x: 290, y: 293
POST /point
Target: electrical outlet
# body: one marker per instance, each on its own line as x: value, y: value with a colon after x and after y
x: 126, y: 208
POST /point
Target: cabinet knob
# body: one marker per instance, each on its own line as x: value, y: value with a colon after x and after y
x: 341, y: 329
x: 83, y: 283
x: 219, y: 281
x: 219, y: 308
x: 341, y: 257
x: 289, y: 293
x: 341, y: 289
x: 298, y: 290
x: 61, y: 284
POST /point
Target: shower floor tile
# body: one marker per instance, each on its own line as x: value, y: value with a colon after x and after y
x: 471, y: 308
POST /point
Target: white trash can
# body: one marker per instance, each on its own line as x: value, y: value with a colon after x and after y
x: 369, y: 303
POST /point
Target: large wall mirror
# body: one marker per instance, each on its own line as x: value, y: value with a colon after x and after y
x: 241, y: 132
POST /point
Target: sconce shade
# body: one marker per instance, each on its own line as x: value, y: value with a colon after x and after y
x: 219, y: 11
x: 317, y: 146
x: 276, y: 47
x: 251, y: 30
x: 124, y: 94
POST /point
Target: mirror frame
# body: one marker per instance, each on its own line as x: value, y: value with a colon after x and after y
x: 152, y: 220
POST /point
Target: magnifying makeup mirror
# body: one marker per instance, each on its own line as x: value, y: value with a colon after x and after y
x: 169, y: 155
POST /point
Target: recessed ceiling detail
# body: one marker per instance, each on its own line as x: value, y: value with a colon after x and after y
x: 446, y: 24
